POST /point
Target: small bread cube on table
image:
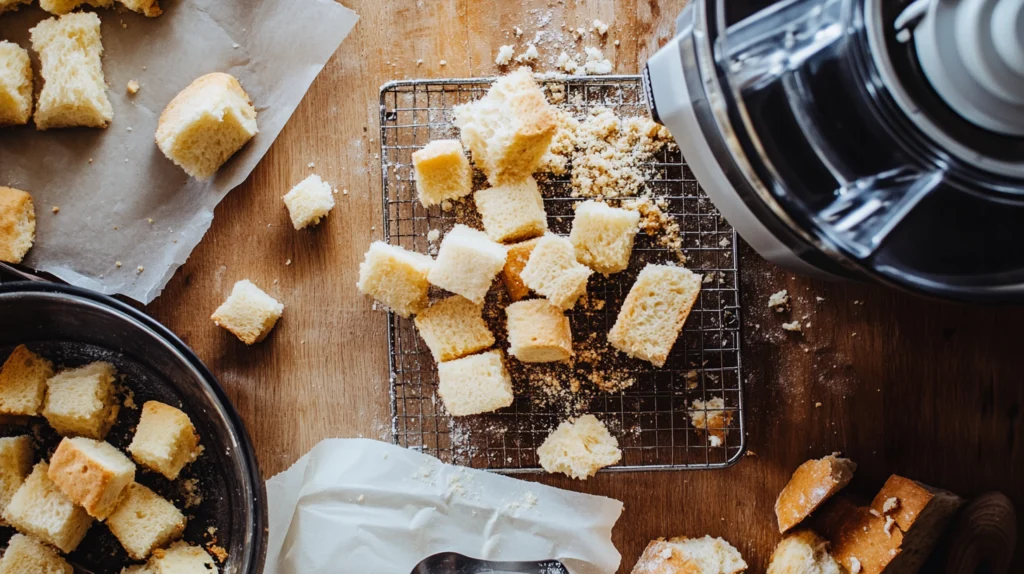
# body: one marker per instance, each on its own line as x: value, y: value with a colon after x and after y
x: 454, y: 328
x: 93, y: 474
x: 475, y: 384
x: 467, y: 263
x: 552, y: 271
x: 23, y: 382
x: 26, y: 555
x: 181, y: 558
x: 579, y: 448
x: 309, y: 201
x: 603, y: 236
x: 165, y: 440
x: 16, y: 455
x: 15, y: 84
x: 442, y: 172
x: 396, y: 277
x: 17, y: 224
x: 538, y: 332
x: 248, y: 313
x: 512, y: 211
x: 41, y: 509
x: 145, y: 521
x: 82, y: 401
x: 518, y: 255
x: 61, y: 7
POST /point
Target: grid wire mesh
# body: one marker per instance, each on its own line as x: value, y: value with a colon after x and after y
x: 651, y: 418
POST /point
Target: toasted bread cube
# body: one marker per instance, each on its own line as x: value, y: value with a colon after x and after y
x: 23, y: 382
x: 149, y: 8
x: 182, y: 558
x: 538, y: 332
x: 812, y: 483
x: 26, y: 555
x: 205, y: 124
x: 74, y: 92
x: 467, y: 263
x: 603, y: 236
x: 93, y: 474
x: 680, y: 555
x: 17, y: 224
x: 518, y: 255
x: 144, y: 521
x: 510, y: 129
x: 165, y: 440
x: 442, y: 172
x: 12, y: 5
x: 552, y: 271
x: 248, y: 313
x: 803, y: 552
x: 474, y: 384
x: 654, y: 312
x: 40, y: 508
x: 454, y: 328
x: 15, y: 463
x: 396, y: 277
x: 82, y: 401
x: 61, y: 7
x: 15, y: 84
x: 309, y: 201
x: 579, y: 448
x: 512, y: 211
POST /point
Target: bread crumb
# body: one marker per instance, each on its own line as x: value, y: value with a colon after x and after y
x: 889, y: 521
x: 692, y: 379
x: 446, y: 205
x: 141, y: 269
x: 149, y: 220
x: 854, y: 565
x: 567, y: 63
x: 779, y: 301
x: 191, y: 491
x: 344, y: 191
x: 433, y: 235
x: 56, y: 209
x: 219, y: 553
x: 596, y: 63
x: 792, y: 327
x: 600, y: 27
x: 819, y: 299
x: 817, y: 405
x: 288, y: 262
x: 311, y: 165
x: 531, y: 54
x: 419, y: 62
x: 517, y: 31
x: 117, y: 264
x: 751, y: 453
x: 724, y: 243
x: 890, y: 504
x: 443, y: 62
x: 504, y: 55
x: 617, y: 42
x: 133, y: 87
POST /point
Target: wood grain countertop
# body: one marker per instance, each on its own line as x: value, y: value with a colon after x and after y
x: 929, y: 390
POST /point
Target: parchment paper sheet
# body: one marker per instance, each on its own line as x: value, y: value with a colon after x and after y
x: 274, y: 47
x: 368, y: 507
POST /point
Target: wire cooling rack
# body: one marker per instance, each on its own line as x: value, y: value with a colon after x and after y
x: 651, y: 418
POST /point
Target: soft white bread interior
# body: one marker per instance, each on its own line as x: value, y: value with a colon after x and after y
x: 26, y: 555
x: 518, y: 256
x: 453, y: 328
x: 803, y: 552
x: 683, y: 555
x: 474, y: 384
x: 15, y: 84
x: 442, y: 172
x: 552, y: 271
x: 603, y: 236
x: 309, y: 201
x: 467, y: 263
x: 249, y: 312
x: 538, y: 332
x: 396, y: 277
x: 17, y: 224
x: 512, y: 211
x: 579, y: 448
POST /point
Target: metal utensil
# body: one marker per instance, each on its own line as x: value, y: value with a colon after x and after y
x: 454, y: 563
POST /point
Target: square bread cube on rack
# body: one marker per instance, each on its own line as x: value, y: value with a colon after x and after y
x: 41, y: 509
x: 603, y: 236
x: 23, y: 382
x: 93, y: 474
x: 145, y: 521
x: 552, y: 271
x: 82, y: 401
x: 511, y: 274
x: 538, y: 332
x: 512, y: 211
x: 26, y: 555
x: 165, y: 440
x: 396, y: 277
x: 475, y: 384
x: 467, y: 263
x: 453, y: 328
x: 16, y: 454
x: 442, y: 172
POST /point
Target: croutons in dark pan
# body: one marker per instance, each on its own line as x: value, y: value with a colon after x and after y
x: 221, y: 493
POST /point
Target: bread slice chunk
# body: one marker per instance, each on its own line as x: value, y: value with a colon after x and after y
x: 309, y: 201
x: 474, y: 384
x: 467, y: 263
x: 860, y: 541
x: 579, y: 448
x: 17, y: 224
x: 654, y: 312
x: 149, y: 8
x: 454, y: 328
x: 144, y: 521
x: 512, y: 211
x: 74, y: 91
x: 82, y: 401
x: 396, y: 277
x: 16, y: 455
x: 15, y: 84
x: 249, y: 312
x: 61, y: 7
x: 23, y: 382
x: 41, y: 509
x: 205, y: 124
x: 553, y: 272
x: 442, y: 172
x: 182, y: 558
x: 165, y: 439
x: 803, y: 552
x: 538, y: 332
x: 603, y: 236
x: 712, y: 417
x: 93, y: 474
x: 920, y: 512
x: 683, y: 555
x: 510, y: 129
x: 813, y: 482
x: 12, y: 5
x: 26, y: 555
x: 518, y: 256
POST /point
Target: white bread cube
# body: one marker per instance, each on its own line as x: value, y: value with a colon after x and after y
x: 82, y: 401
x: 454, y: 328
x: 15, y: 84
x: 40, y: 508
x: 705, y: 555
x: 510, y: 129
x: 518, y: 255
x: 475, y: 384
x: 12, y: 5
x: 249, y: 313
x: 61, y: 7
x: 442, y: 172
x: 512, y: 211
x: 144, y: 521
x: 93, y: 474
x: 603, y: 236
x: 165, y: 440
x: 309, y: 201
x: 149, y: 8
x: 205, y: 124
x: 396, y: 277
x: 17, y: 224
x: 654, y: 312
x: 467, y: 263
x: 803, y: 552
x: 538, y: 332
x: 23, y: 382
x: 16, y: 455
x: 579, y: 448
x: 74, y: 92
x: 552, y: 271
x: 26, y: 555
x: 181, y: 558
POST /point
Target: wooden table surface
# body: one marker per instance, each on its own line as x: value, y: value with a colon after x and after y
x: 929, y: 390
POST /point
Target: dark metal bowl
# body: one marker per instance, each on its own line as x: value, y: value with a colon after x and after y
x: 73, y: 326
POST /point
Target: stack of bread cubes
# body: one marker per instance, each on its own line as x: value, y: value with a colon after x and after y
x: 52, y: 504
x: 509, y: 132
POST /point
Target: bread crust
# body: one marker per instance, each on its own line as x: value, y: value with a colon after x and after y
x: 812, y: 483
x: 16, y: 210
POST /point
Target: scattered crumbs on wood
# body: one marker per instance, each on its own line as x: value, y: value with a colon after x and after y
x: 56, y: 209
x: 149, y: 220
x: 133, y: 87
x: 117, y: 264
x: 288, y: 262
x: 140, y: 269
x: 817, y: 405
x: 443, y: 62
x: 793, y: 327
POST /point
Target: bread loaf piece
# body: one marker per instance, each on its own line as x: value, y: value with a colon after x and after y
x: 74, y: 91
x: 813, y: 482
x: 442, y: 172
x: 579, y: 448
x: 15, y: 83
x: 23, y: 382
x: 40, y: 508
x: 165, y: 440
x: 538, y: 332
x: 474, y: 384
x: 17, y: 224
x: 396, y: 277
x: 16, y: 455
x: 61, y: 7
x: 453, y: 328
x: 603, y: 236
x: 683, y: 555
x: 467, y: 263
x: 181, y: 558
x: 248, y: 313
x: 512, y: 211
x: 150, y: 8
x: 82, y: 401
x: 803, y: 552
x: 12, y: 5
x: 93, y: 474
x: 26, y: 555
x: 518, y: 256
x: 552, y: 271
x: 144, y: 521
x: 309, y: 201
x: 860, y: 541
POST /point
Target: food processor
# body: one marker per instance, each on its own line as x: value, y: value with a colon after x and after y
x: 878, y: 140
